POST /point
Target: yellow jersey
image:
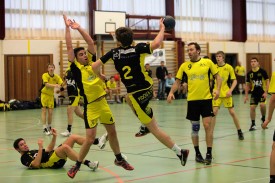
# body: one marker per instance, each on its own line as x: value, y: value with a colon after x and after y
x: 47, y: 78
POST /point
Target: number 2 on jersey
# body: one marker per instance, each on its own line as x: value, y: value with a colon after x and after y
x: 127, y: 73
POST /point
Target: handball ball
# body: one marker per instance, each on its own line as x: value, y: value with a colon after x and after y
x: 116, y: 77
x: 169, y: 23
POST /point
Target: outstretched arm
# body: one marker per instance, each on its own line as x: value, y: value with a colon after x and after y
x: 159, y: 38
x: 37, y: 160
x: 68, y: 39
x: 86, y: 37
x: 52, y: 144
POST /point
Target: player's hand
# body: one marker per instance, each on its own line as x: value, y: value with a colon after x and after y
x: 245, y: 99
x: 54, y: 132
x: 229, y: 94
x: 40, y: 143
x: 265, y: 123
x: 67, y: 21
x: 264, y: 95
x: 216, y: 94
x: 74, y: 25
x: 170, y: 97
x: 161, y: 25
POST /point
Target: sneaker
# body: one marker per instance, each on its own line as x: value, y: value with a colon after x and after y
x: 199, y: 158
x: 183, y: 157
x: 252, y: 128
x: 72, y: 172
x: 208, y: 159
x: 46, y: 132
x: 102, y: 141
x: 142, y: 131
x: 66, y: 133
x: 123, y: 163
x: 241, y: 137
x: 93, y: 165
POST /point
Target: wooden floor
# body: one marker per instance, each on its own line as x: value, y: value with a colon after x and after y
x: 234, y: 161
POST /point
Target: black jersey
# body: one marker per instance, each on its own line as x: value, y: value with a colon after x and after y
x: 257, y: 78
x: 28, y: 157
x: 129, y: 63
x: 71, y: 84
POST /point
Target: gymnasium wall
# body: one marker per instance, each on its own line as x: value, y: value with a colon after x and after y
x: 52, y: 47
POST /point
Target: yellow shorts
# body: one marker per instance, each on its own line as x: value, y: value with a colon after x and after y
x: 54, y: 162
x: 74, y: 101
x: 47, y: 101
x: 227, y: 102
x: 98, y: 111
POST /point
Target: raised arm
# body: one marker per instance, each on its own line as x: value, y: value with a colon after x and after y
x: 86, y: 37
x: 37, y: 160
x: 159, y: 38
x: 68, y: 39
x: 52, y: 143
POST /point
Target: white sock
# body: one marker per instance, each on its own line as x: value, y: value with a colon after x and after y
x: 44, y: 126
x: 176, y: 149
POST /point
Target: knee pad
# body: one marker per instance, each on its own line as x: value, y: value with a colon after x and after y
x: 195, y: 128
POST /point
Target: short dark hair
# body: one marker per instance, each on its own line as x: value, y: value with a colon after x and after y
x: 76, y: 50
x: 16, y: 142
x: 254, y: 58
x: 197, y: 46
x: 125, y: 36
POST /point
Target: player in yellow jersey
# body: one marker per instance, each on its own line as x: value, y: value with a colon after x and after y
x: 240, y: 74
x: 96, y: 107
x: 226, y: 72
x: 129, y: 62
x: 50, y: 81
x: 112, y: 89
x: 271, y: 108
x: 199, y: 99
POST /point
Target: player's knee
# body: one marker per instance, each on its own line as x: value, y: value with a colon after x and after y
x: 195, y: 128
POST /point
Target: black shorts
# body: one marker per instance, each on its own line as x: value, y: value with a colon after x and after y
x: 240, y: 79
x: 255, y: 99
x: 274, y: 136
x: 198, y: 108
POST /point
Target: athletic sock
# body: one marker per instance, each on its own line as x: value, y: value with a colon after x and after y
x: 96, y: 141
x: 119, y: 157
x: 263, y: 118
x: 44, y: 126
x: 253, y: 122
x: 240, y: 131
x: 78, y: 164
x: 86, y: 162
x: 272, y: 179
x: 176, y: 149
x: 209, y: 150
x: 197, y: 149
x: 69, y: 128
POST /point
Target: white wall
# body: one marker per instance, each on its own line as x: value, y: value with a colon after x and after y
x: 52, y: 47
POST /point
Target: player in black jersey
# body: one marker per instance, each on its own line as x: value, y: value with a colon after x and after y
x: 129, y: 62
x: 257, y: 82
x: 49, y: 157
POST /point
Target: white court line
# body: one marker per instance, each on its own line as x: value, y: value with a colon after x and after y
x: 252, y: 180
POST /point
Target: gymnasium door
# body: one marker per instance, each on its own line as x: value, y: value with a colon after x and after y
x: 23, y: 75
x: 265, y: 61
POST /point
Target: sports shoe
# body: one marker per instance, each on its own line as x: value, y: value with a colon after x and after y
x: 72, y: 172
x: 142, y: 131
x: 199, y: 158
x: 93, y: 165
x: 208, y: 159
x: 183, y: 157
x: 124, y: 164
x: 66, y: 133
x: 102, y: 141
x: 252, y: 128
x: 46, y: 132
x: 241, y: 137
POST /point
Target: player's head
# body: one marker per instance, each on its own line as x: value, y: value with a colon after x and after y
x: 220, y: 56
x: 254, y: 62
x: 51, y: 68
x: 124, y: 35
x: 20, y: 145
x: 194, y: 51
x: 80, y: 55
x: 147, y: 66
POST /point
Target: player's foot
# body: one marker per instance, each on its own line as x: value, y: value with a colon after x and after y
x: 102, y: 141
x: 93, y: 165
x: 208, y: 159
x: 252, y: 128
x: 199, y: 158
x: 142, y: 131
x: 183, y: 157
x: 66, y: 133
x: 72, y: 172
x: 46, y: 132
x: 124, y: 164
x: 240, y: 135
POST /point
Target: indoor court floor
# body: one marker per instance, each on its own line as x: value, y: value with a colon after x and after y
x: 234, y: 161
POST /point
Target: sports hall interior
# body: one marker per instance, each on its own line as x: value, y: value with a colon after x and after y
x: 25, y: 52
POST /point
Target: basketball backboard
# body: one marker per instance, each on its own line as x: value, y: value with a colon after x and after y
x: 108, y: 21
